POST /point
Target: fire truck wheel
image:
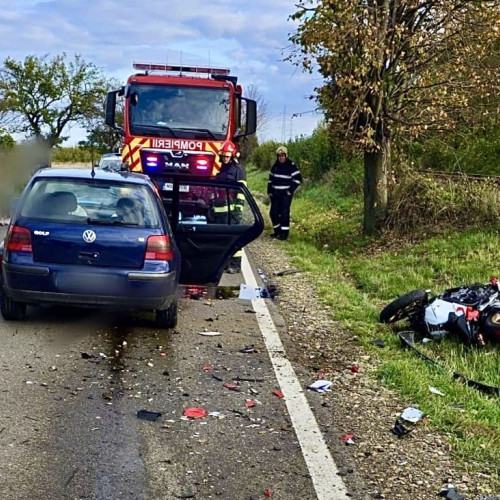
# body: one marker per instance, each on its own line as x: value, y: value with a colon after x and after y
x: 167, y: 318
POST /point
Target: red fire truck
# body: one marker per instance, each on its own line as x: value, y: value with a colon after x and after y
x: 176, y: 118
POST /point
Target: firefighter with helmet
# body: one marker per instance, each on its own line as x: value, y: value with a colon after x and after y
x: 232, y: 172
x: 284, y: 179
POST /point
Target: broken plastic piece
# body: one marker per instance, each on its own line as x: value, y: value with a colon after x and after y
x: 412, y: 414
x: 321, y: 385
x: 400, y: 430
x: 293, y: 270
x: 268, y: 493
x: 231, y: 386
x: 355, y: 368
x: 207, y: 368
x: 249, y: 403
x: 249, y: 349
x: 195, y: 412
x: 435, y: 391
x: 348, y: 438
x: 148, y: 415
x: 278, y: 393
x: 210, y: 334
x: 450, y: 493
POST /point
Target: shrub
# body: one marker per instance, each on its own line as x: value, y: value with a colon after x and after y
x: 437, y: 202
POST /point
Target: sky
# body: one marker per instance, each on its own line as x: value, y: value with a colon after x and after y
x: 250, y: 37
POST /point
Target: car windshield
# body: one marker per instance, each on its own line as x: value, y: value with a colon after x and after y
x: 180, y: 110
x: 90, y: 201
x: 110, y: 163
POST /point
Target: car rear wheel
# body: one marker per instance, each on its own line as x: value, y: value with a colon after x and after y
x: 167, y: 318
x: 12, y: 310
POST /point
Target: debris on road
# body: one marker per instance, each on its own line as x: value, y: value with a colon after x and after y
x: 194, y: 412
x: 210, y: 334
x: 278, y: 393
x: 399, y: 429
x: 231, y: 386
x: 148, y: 415
x: 249, y: 349
x: 412, y: 414
x: 348, y: 439
x: 450, y: 493
x: 292, y: 270
x: 321, y: 385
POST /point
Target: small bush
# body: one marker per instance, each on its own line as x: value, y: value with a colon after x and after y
x: 436, y: 203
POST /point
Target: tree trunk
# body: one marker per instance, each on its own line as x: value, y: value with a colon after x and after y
x: 375, y: 187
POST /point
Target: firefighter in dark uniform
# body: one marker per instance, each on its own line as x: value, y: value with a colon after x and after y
x: 230, y: 171
x: 284, y: 179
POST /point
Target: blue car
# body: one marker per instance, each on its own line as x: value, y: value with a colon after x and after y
x: 93, y: 238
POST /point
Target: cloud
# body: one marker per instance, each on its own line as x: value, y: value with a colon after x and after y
x: 251, y: 38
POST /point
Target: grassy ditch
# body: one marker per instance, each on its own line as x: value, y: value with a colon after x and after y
x: 357, y: 276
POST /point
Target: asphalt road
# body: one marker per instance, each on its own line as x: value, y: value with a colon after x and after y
x: 73, y: 382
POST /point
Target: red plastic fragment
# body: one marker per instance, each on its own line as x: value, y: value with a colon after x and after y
x: 346, y: 437
x: 268, y: 493
x: 207, y: 368
x: 195, y: 412
x: 249, y: 403
x: 355, y: 369
x: 278, y: 393
x: 230, y: 386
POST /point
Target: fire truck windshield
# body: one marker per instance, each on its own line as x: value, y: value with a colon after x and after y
x: 179, y: 111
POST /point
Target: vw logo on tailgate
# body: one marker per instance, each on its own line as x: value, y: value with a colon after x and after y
x: 89, y: 236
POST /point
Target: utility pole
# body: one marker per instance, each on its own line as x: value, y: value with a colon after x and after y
x: 283, y: 126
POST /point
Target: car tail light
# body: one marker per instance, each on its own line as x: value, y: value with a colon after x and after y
x: 159, y: 248
x: 19, y: 239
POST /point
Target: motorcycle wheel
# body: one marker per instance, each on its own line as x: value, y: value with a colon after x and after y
x: 403, y: 306
x: 491, y: 325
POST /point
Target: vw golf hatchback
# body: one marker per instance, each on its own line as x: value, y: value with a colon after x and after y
x: 116, y: 240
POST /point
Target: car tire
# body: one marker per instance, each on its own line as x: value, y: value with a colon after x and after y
x: 403, y: 306
x: 167, y: 318
x: 12, y: 310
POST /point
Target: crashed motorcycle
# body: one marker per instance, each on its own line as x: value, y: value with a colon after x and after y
x: 472, y: 312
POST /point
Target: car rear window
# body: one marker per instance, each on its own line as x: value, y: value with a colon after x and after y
x: 82, y: 200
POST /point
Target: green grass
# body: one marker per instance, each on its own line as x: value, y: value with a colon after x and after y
x: 357, y: 276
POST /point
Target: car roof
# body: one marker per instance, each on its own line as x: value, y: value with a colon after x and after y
x: 84, y: 173
x: 110, y: 155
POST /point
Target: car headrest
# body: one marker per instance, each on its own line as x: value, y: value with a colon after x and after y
x: 60, y: 203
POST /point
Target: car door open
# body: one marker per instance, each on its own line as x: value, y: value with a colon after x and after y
x: 211, y: 220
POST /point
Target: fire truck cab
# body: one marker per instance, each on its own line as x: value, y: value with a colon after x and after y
x: 176, y: 118
x: 174, y: 122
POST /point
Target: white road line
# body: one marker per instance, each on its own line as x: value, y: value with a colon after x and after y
x: 323, y: 470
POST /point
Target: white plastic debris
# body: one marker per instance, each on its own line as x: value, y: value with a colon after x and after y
x: 321, y: 385
x: 250, y: 292
x: 435, y: 391
x: 412, y: 414
x: 210, y: 334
